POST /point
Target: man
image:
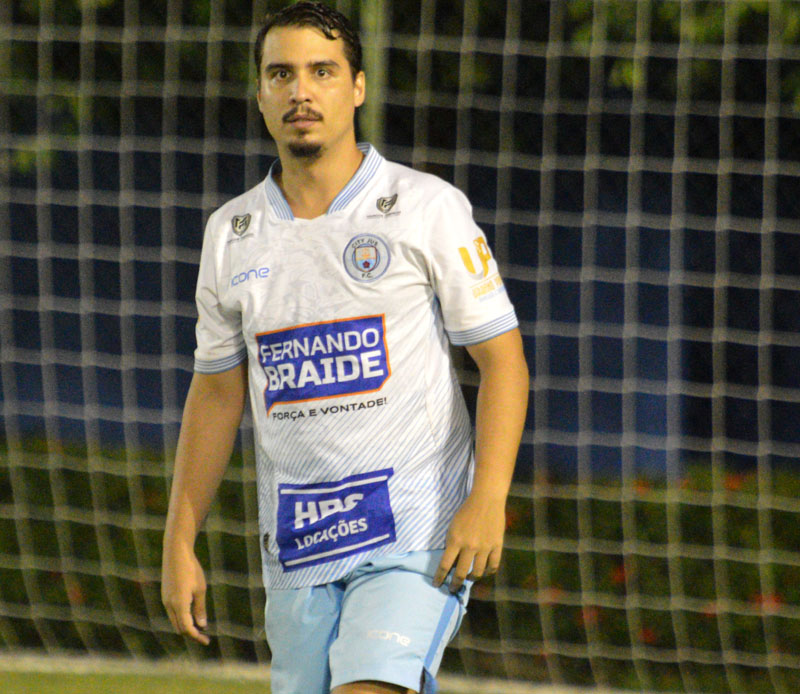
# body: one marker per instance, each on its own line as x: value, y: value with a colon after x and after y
x: 332, y: 288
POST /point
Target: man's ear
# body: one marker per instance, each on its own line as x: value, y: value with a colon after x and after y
x: 360, y: 88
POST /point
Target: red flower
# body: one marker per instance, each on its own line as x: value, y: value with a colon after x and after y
x: 512, y: 518
x: 550, y: 595
x: 648, y: 636
x: 618, y: 575
x: 734, y: 481
x: 75, y: 593
x: 710, y: 609
x: 769, y: 603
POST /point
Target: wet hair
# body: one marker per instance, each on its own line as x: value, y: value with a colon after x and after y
x: 333, y: 24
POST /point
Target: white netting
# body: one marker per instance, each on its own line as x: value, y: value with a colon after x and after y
x: 636, y: 166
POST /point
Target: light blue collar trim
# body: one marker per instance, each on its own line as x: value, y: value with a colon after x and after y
x: 364, y: 174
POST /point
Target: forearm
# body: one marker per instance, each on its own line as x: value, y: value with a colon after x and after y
x: 210, y: 422
x: 500, y: 417
x: 475, y: 537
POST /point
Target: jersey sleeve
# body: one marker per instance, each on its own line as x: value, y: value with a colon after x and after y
x: 464, y: 273
x: 220, y: 342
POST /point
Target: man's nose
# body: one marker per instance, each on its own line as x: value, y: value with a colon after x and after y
x: 300, y: 89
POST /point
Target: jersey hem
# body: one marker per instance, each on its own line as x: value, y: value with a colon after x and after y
x: 217, y: 366
x: 276, y: 579
x: 484, y: 332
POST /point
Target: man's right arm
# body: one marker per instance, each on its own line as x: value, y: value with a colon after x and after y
x: 211, y: 419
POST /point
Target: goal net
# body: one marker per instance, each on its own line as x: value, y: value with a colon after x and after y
x: 635, y: 165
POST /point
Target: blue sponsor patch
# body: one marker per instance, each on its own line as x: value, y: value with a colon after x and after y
x: 324, y: 360
x: 323, y: 522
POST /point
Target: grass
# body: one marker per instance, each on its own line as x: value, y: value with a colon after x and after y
x: 27, y: 673
x: 123, y: 683
x: 37, y: 682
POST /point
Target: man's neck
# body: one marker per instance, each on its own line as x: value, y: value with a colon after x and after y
x: 311, y: 184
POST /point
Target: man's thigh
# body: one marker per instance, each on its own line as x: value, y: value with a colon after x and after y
x: 301, y: 625
x: 383, y: 623
x: 394, y: 623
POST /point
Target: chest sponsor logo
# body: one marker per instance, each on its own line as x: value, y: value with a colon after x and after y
x: 366, y: 257
x: 324, y: 360
x: 323, y: 522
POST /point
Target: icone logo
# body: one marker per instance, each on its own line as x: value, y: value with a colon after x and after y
x: 254, y: 273
x: 383, y: 635
x: 484, y: 256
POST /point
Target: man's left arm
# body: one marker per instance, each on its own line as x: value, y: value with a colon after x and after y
x: 475, y: 538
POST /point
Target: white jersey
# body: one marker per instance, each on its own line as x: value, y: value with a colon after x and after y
x: 363, y: 442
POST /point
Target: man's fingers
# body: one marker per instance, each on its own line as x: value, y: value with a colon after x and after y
x: 187, y: 624
x: 478, y: 566
x: 493, y: 564
x: 465, y: 559
x: 448, y: 557
x: 188, y: 628
x: 199, y: 610
x: 173, y: 619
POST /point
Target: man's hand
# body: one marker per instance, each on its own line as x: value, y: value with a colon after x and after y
x: 475, y: 538
x: 211, y: 417
x: 474, y: 541
x: 183, y: 592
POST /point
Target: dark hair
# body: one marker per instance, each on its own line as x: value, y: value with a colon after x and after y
x: 333, y: 24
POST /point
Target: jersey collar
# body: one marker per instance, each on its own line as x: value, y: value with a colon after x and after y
x: 372, y: 160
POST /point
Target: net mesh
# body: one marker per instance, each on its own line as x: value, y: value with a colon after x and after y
x: 636, y: 167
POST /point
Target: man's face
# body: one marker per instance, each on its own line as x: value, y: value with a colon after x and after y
x: 306, y: 91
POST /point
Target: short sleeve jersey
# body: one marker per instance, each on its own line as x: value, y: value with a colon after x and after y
x: 363, y: 441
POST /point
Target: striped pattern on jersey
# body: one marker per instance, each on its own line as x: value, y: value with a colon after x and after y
x: 363, y: 441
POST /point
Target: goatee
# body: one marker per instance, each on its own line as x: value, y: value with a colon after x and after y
x: 305, y: 150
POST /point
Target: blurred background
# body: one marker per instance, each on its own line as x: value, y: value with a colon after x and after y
x: 636, y: 168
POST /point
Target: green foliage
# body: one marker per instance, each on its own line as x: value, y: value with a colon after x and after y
x: 644, y: 570
x: 589, y: 25
x: 637, y: 569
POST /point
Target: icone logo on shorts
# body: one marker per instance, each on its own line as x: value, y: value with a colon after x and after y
x: 324, y: 360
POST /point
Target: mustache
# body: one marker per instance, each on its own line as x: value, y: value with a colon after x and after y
x: 296, y: 112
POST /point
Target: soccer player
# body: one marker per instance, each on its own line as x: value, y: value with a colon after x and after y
x: 330, y: 293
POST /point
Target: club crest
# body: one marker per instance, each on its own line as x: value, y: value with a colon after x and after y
x: 366, y: 257
x: 385, y: 205
x: 240, y: 222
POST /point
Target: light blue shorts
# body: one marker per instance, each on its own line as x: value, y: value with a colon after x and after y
x: 384, y: 622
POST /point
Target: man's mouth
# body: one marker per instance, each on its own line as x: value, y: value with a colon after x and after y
x: 294, y: 116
